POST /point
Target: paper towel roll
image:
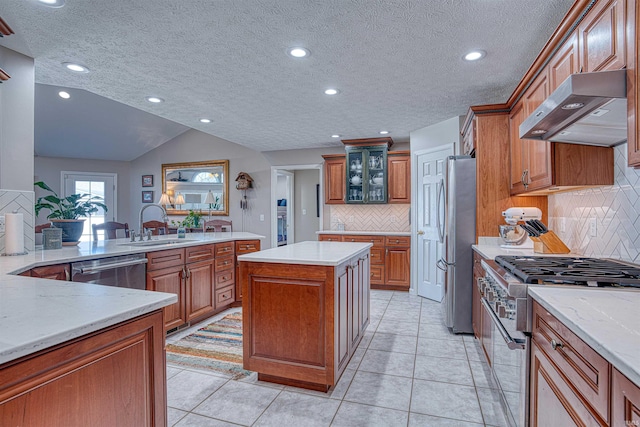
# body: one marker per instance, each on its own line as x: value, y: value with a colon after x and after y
x: 14, y: 234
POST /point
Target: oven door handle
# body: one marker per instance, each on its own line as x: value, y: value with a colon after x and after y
x: 513, y: 344
x: 110, y: 266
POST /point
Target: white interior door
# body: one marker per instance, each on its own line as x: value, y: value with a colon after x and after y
x: 93, y: 184
x: 430, y: 203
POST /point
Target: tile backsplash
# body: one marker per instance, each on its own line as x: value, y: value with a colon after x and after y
x: 391, y: 217
x: 602, y: 221
x: 22, y: 202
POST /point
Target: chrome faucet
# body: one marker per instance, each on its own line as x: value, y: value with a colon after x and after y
x: 164, y: 216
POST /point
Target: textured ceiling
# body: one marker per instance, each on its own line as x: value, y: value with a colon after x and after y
x: 398, y: 63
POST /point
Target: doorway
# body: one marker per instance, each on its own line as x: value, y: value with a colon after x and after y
x: 103, y: 185
x: 295, y: 203
x: 429, y: 184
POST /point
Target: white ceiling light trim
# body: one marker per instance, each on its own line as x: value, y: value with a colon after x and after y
x: 76, y: 68
x: 298, y: 52
x: 64, y: 95
x: 203, y: 120
x: 384, y: 132
x: 335, y: 135
x: 474, y: 55
x: 52, y: 3
x: 331, y: 91
x: 154, y: 99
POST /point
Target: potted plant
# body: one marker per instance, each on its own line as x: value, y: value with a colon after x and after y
x: 190, y: 221
x: 65, y: 212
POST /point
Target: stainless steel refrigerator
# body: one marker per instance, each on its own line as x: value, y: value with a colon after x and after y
x: 458, y: 233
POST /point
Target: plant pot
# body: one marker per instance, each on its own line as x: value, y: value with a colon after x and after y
x: 71, y: 230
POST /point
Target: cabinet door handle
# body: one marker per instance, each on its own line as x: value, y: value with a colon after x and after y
x: 67, y: 275
x: 188, y: 273
x: 522, y: 177
x: 556, y: 345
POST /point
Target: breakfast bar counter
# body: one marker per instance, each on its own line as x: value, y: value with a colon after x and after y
x: 305, y: 308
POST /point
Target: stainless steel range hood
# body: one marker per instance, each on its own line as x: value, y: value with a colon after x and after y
x: 587, y: 108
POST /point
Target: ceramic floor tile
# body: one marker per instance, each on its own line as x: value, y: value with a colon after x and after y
x: 441, y: 348
x: 404, y: 305
x: 406, y: 297
x: 431, y: 317
x: 336, y: 393
x: 381, y: 295
x: 447, y: 370
x: 385, y: 362
x: 366, y: 339
x: 357, y: 415
x: 398, y: 328
x: 238, y: 402
x: 253, y: 379
x: 474, y: 351
x: 386, y: 391
x: 172, y: 371
x: 482, y: 376
x: 187, y: 389
x: 437, y: 331
x: 421, y: 420
x: 402, y: 315
x: 445, y: 400
x: 195, y: 420
x: 174, y: 415
x: 356, y: 358
x: 296, y: 409
x: 395, y: 343
x: 491, y: 407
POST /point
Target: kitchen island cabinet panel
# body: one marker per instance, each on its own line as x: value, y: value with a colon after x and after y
x: 243, y: 247
x: 625, y: 401
x: 113, y: 377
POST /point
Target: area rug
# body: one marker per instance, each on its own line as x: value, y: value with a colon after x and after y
x: 216, y: 347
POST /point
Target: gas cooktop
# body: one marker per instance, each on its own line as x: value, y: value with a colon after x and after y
x: 568, y: 270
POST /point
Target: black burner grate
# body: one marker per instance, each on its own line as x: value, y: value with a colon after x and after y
x: 568, y: 270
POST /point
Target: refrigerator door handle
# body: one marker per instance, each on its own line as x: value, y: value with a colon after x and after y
x: 439, y: 223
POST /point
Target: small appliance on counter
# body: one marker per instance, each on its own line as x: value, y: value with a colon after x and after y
x: 513, y: 235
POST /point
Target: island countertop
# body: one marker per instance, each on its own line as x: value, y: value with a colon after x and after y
x: 607, y: 320
x: 311, y: 252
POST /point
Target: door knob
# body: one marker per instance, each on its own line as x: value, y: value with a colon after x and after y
x: 420, y: 233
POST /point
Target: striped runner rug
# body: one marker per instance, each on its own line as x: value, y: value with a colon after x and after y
x: 216, y: 347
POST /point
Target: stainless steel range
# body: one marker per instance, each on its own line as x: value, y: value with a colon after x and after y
x: 504, y: 299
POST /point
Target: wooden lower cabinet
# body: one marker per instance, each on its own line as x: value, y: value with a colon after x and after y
x: 200, y: 296
x: 55, y: 272
x: 476, y: 314
x: 170, y: 280
x: 302, y: 323
x: 243, y: 247
x: 625, y: 401
x: 113, y: 377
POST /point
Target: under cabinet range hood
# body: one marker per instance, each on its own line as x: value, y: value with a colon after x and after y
x: 587, y: 108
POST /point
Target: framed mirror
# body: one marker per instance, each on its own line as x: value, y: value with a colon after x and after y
x: 198, y: 186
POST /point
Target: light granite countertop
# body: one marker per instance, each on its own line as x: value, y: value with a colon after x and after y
x: 492, y: 251
x: 607, y: 320
x: 36, y: 314
x: 372, y: 233
x: 312, y: 253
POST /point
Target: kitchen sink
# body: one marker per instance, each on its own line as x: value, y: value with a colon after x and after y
x: 157, y: 242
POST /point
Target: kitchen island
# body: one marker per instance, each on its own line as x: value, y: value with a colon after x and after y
x: 305, y: 309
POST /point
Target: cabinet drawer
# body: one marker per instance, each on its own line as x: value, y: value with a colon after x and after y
x: 378, y: 241
x: 223, y: 249
x: 224, y: 263
x: 377, y: 255
x: 225, y: 278
x: 398, y: 241
x: 329, y: 238
x: 225, y: 296
x: 377, y: 274
x: 164, y: 259
x: 247, y: 246
x: 582, y: 367
x: 200, y: 253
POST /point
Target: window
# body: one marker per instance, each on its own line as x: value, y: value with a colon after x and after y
x: 93, y: 184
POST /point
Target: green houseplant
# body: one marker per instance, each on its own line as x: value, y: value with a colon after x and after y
x: 65, y: 212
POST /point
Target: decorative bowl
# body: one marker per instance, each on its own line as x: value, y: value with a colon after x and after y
x: 377, y: 180
x: 512, y: 234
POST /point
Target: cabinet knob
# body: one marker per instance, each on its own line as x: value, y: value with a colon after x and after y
x: 556, y: 345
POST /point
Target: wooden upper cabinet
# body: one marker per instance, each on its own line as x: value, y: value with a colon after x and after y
x: 334, y: 178
x: 602, y: 37
x: 517, y: 174
x: 564, y: 63
x: 399, y: 183
x: 633, y: 83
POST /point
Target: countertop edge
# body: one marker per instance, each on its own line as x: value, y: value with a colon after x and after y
x: 366, y: 233
x: 263, y: 256
x: 620, y: 360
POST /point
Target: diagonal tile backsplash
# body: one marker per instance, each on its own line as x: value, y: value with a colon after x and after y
x: 390, y: 217
x: 602, y: 221
x: 23, y: 202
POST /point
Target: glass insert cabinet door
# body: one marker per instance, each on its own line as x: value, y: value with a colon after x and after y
x: 366, y: 175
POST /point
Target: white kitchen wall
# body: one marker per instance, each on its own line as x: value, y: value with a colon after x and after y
x: 306, y: 219
x: 602, y: 221
x: 21, y: 202
x: 389, y: 217
x: 442, y: 133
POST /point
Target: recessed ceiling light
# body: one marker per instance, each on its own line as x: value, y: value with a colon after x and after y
x: 76, y: 68
x: 384, y: 132
x: 52, y: 3
x: 475, y: 55
x: 335, y: 135
x: 298, y: 52
x: 154, y: 99
x: 205, y: 120
x: 538, y: 132
x: 64, y: 95
x: 572, y: 106
x: 331, y: 92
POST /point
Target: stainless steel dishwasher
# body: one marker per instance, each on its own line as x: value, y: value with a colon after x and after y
x: 125, y: 271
